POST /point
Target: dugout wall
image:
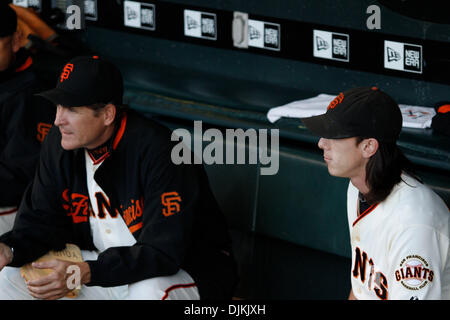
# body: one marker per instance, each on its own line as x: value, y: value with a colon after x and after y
x: 289, y: 229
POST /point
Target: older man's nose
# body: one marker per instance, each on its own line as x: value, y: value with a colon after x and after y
x: 323, y: 143
x: 59, y: 118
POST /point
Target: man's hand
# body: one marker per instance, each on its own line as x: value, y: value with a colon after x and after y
x: 6, y: 255
x: 55, y: 285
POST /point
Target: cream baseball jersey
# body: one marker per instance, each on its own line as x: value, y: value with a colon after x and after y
x: 400, y: 246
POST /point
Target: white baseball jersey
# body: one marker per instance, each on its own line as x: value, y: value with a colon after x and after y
x: 106, y: 231
x: 401, y: 246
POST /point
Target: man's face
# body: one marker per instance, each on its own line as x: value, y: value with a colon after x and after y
x: 343, y: 157
x: 6, y: 52
x: 81, y: 127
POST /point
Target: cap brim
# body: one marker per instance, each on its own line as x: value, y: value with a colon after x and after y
x: 61, y: 97
x: 324, y: 126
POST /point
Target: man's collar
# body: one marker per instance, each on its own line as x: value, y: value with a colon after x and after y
x: 104, y: 151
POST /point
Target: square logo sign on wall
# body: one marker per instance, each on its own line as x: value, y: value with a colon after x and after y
x: 35, y: 4
x: 263, y: 35
x: 139, y: 15
x: 199, y: 24
x: 331, y: 45
x: 90, y: 10
x: 403, y: 56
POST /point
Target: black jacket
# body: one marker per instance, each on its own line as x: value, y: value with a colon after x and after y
x: 24, y: 122
x: 177, y: 224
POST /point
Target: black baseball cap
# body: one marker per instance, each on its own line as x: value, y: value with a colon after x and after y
x: 364, y: 112
x: 86, y: 80
x: 8, y: 20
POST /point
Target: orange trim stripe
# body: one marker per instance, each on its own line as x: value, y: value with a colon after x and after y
x: 135, y: 228
x: 365, y: 213
x: 27, y: 64
x: 177, y: 286
x: 117, y: 139
x: 103, y: 157
x: 121, y: 131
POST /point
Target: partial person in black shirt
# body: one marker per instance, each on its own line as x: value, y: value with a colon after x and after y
x: 24, y: 118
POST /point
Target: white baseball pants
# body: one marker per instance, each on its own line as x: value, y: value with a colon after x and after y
x: 7, y: 216
x: 180, y: 286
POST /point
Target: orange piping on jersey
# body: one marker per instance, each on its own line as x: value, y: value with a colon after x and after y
x: 365, y: 213
x: 117, y: 139
x: 135, y: 228
x: 26, y: 65
x: 99, y: 160
x: 121, y: 131
x: 177, y: 286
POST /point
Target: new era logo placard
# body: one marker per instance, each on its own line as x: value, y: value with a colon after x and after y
x: 199, y: 24
x: 321, y: 44
x: 90, y: 10
x: 263, y: 35
x: 413, y: 58
x: 35, y: 4
x: 403, y: 56
x: 139, y: 15
x: 331, y: 45
x: 392, y: 55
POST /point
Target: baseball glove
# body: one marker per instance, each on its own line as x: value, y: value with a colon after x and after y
x: 70, y: 253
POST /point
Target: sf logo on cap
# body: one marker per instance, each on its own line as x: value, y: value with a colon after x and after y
x: 68, y: 68
x: 336, y: 101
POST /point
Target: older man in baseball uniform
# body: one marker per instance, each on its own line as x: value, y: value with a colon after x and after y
x: 148, y: 229
x: 399, y: 227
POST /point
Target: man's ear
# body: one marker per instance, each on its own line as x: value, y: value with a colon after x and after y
x: 369, y: 147
x: 17, y: 40
x: 109, y: 113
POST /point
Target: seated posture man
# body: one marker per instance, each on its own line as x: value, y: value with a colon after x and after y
x: 24, y: 119
x: 399, y: 227
x: 148, y: 229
